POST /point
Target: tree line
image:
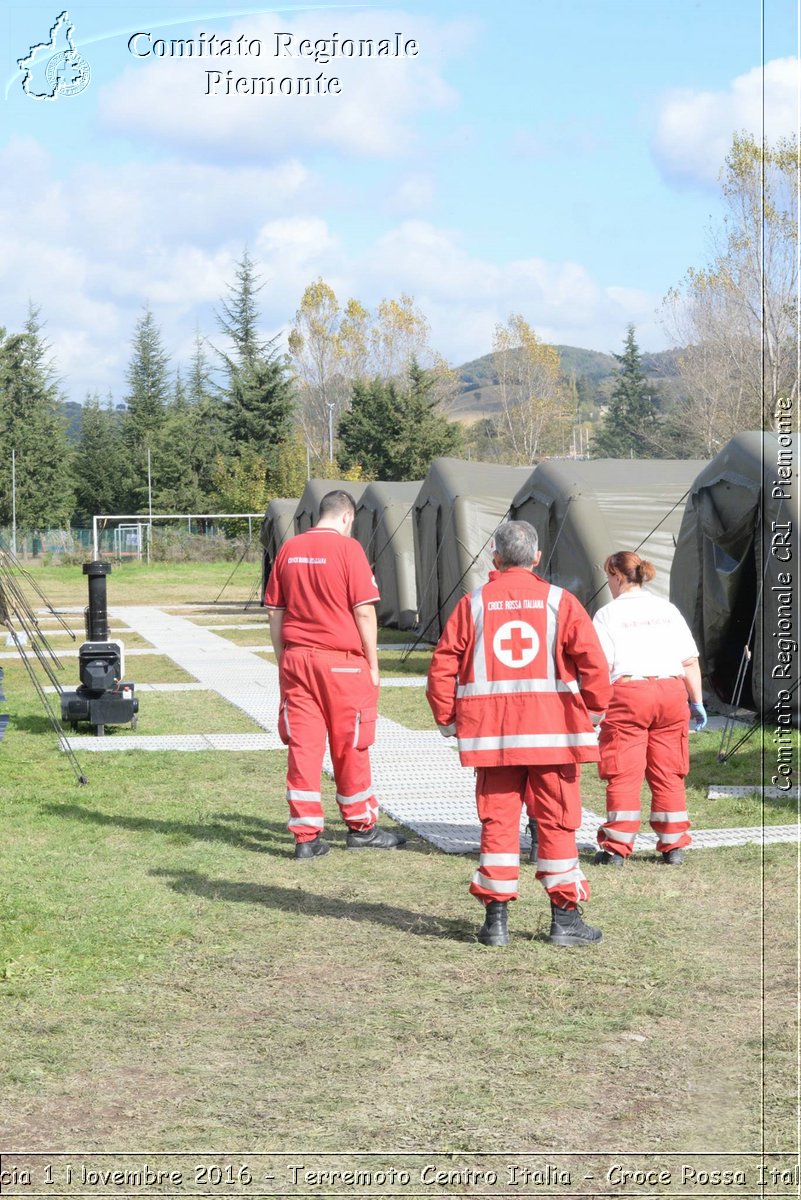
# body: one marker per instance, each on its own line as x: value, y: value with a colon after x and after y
x: 363, y: 395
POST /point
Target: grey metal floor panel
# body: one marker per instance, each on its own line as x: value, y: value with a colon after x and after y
x: 152, y: 687
x: 74, y: 653
x: 419, y: 780
x: 194, y: 742
x: 731, y: 793
x: 403, y: 681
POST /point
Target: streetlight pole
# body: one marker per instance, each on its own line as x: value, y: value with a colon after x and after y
x: 149, y: 506
x: 330, y: 404
x: 14, y: 503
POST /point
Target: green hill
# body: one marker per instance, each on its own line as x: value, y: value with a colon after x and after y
x: 594, y: 373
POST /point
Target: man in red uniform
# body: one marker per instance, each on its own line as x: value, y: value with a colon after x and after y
x: 520, y: 677
x: 321, y: 600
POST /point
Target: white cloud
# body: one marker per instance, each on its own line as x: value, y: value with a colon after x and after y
x: 166, y: 100
x: 92, y: 248
x: 695, y: 128
x: 464, y: 296
x: 414, y: 194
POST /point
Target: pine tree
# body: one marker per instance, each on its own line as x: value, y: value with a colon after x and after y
x: 257, y: 395
x: 394, y: 433
x: 238, y: 317
x: 368, y: 429
x: 426, y: 434
x: 147, y: 396
x: 148, y: 383
x: 629, y: 427
x: 98, y: 462
x: 33, y: 426
x: 183, y: 460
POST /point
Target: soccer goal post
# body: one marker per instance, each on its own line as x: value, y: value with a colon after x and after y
x: 132, y: 529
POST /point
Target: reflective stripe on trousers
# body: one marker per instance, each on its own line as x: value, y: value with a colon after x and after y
x: 554, y: 795
x: 644, y: 736
x: 325, y: 693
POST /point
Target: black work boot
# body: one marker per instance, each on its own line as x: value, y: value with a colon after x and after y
x: 673, y: 858
x: 608, y: 858
x: 532, y: 854
x: 568, y: 929
x: 374, y: 839
x: 494, y: 931
x: 313, y: 849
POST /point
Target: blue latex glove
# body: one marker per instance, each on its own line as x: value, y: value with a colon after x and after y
x: 699, y: 714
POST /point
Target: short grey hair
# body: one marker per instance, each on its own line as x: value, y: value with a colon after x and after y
x: 516, y: 544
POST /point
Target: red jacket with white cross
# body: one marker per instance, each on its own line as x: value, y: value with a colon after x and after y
x: 518, y: 668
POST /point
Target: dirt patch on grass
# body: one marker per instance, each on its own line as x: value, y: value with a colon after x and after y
x: 94, y: 1109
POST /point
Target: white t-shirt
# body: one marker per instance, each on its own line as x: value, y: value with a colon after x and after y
x: 642, y: 634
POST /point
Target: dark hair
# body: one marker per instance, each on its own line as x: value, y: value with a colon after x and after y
x: 333, y: 504
x: 628, y: 564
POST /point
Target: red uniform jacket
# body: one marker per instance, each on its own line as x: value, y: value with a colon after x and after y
x: 517, y: 667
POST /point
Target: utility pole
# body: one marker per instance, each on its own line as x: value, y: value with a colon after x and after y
x: 149, y: 506
x: 330, y: 404
x: 14, y: 503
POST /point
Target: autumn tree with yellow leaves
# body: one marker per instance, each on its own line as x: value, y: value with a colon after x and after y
x: 534, y: 417
x: 333, y: 348
x: 736, y: 318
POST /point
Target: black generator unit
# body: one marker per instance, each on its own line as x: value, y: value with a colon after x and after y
x: 102, y: 698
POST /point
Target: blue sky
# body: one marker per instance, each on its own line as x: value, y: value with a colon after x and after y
x: 558, y: 159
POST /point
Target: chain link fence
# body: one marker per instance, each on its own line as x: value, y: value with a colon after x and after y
x: 135, y: 541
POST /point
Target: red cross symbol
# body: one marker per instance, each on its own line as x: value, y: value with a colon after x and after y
x: 517, y: 644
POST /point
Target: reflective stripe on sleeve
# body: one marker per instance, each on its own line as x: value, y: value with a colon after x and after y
x: 499, y: 860
x: 529, y: 741
x: 495, y: 885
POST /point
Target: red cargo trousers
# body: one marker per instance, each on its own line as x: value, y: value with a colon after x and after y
x: 556, y: 803
x: 327, y: 693
x: 645, y: 735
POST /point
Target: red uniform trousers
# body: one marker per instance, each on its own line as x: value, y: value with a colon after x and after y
x: 645, y: 734
x: 327, y: 692
x: 500, y: 795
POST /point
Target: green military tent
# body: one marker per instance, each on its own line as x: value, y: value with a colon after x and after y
x: 385, y: 528
x: 308, y: 509
x: 735, y: 572
x: 458, y: 508
x: 586, y: 509
x: 277, y: 526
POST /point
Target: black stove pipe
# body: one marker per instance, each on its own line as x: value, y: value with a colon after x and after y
x: 96, y: 615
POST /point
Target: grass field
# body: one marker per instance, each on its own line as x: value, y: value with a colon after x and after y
x: 170, y: 978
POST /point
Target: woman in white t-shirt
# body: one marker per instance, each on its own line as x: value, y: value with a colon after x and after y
x: 653, y: 665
